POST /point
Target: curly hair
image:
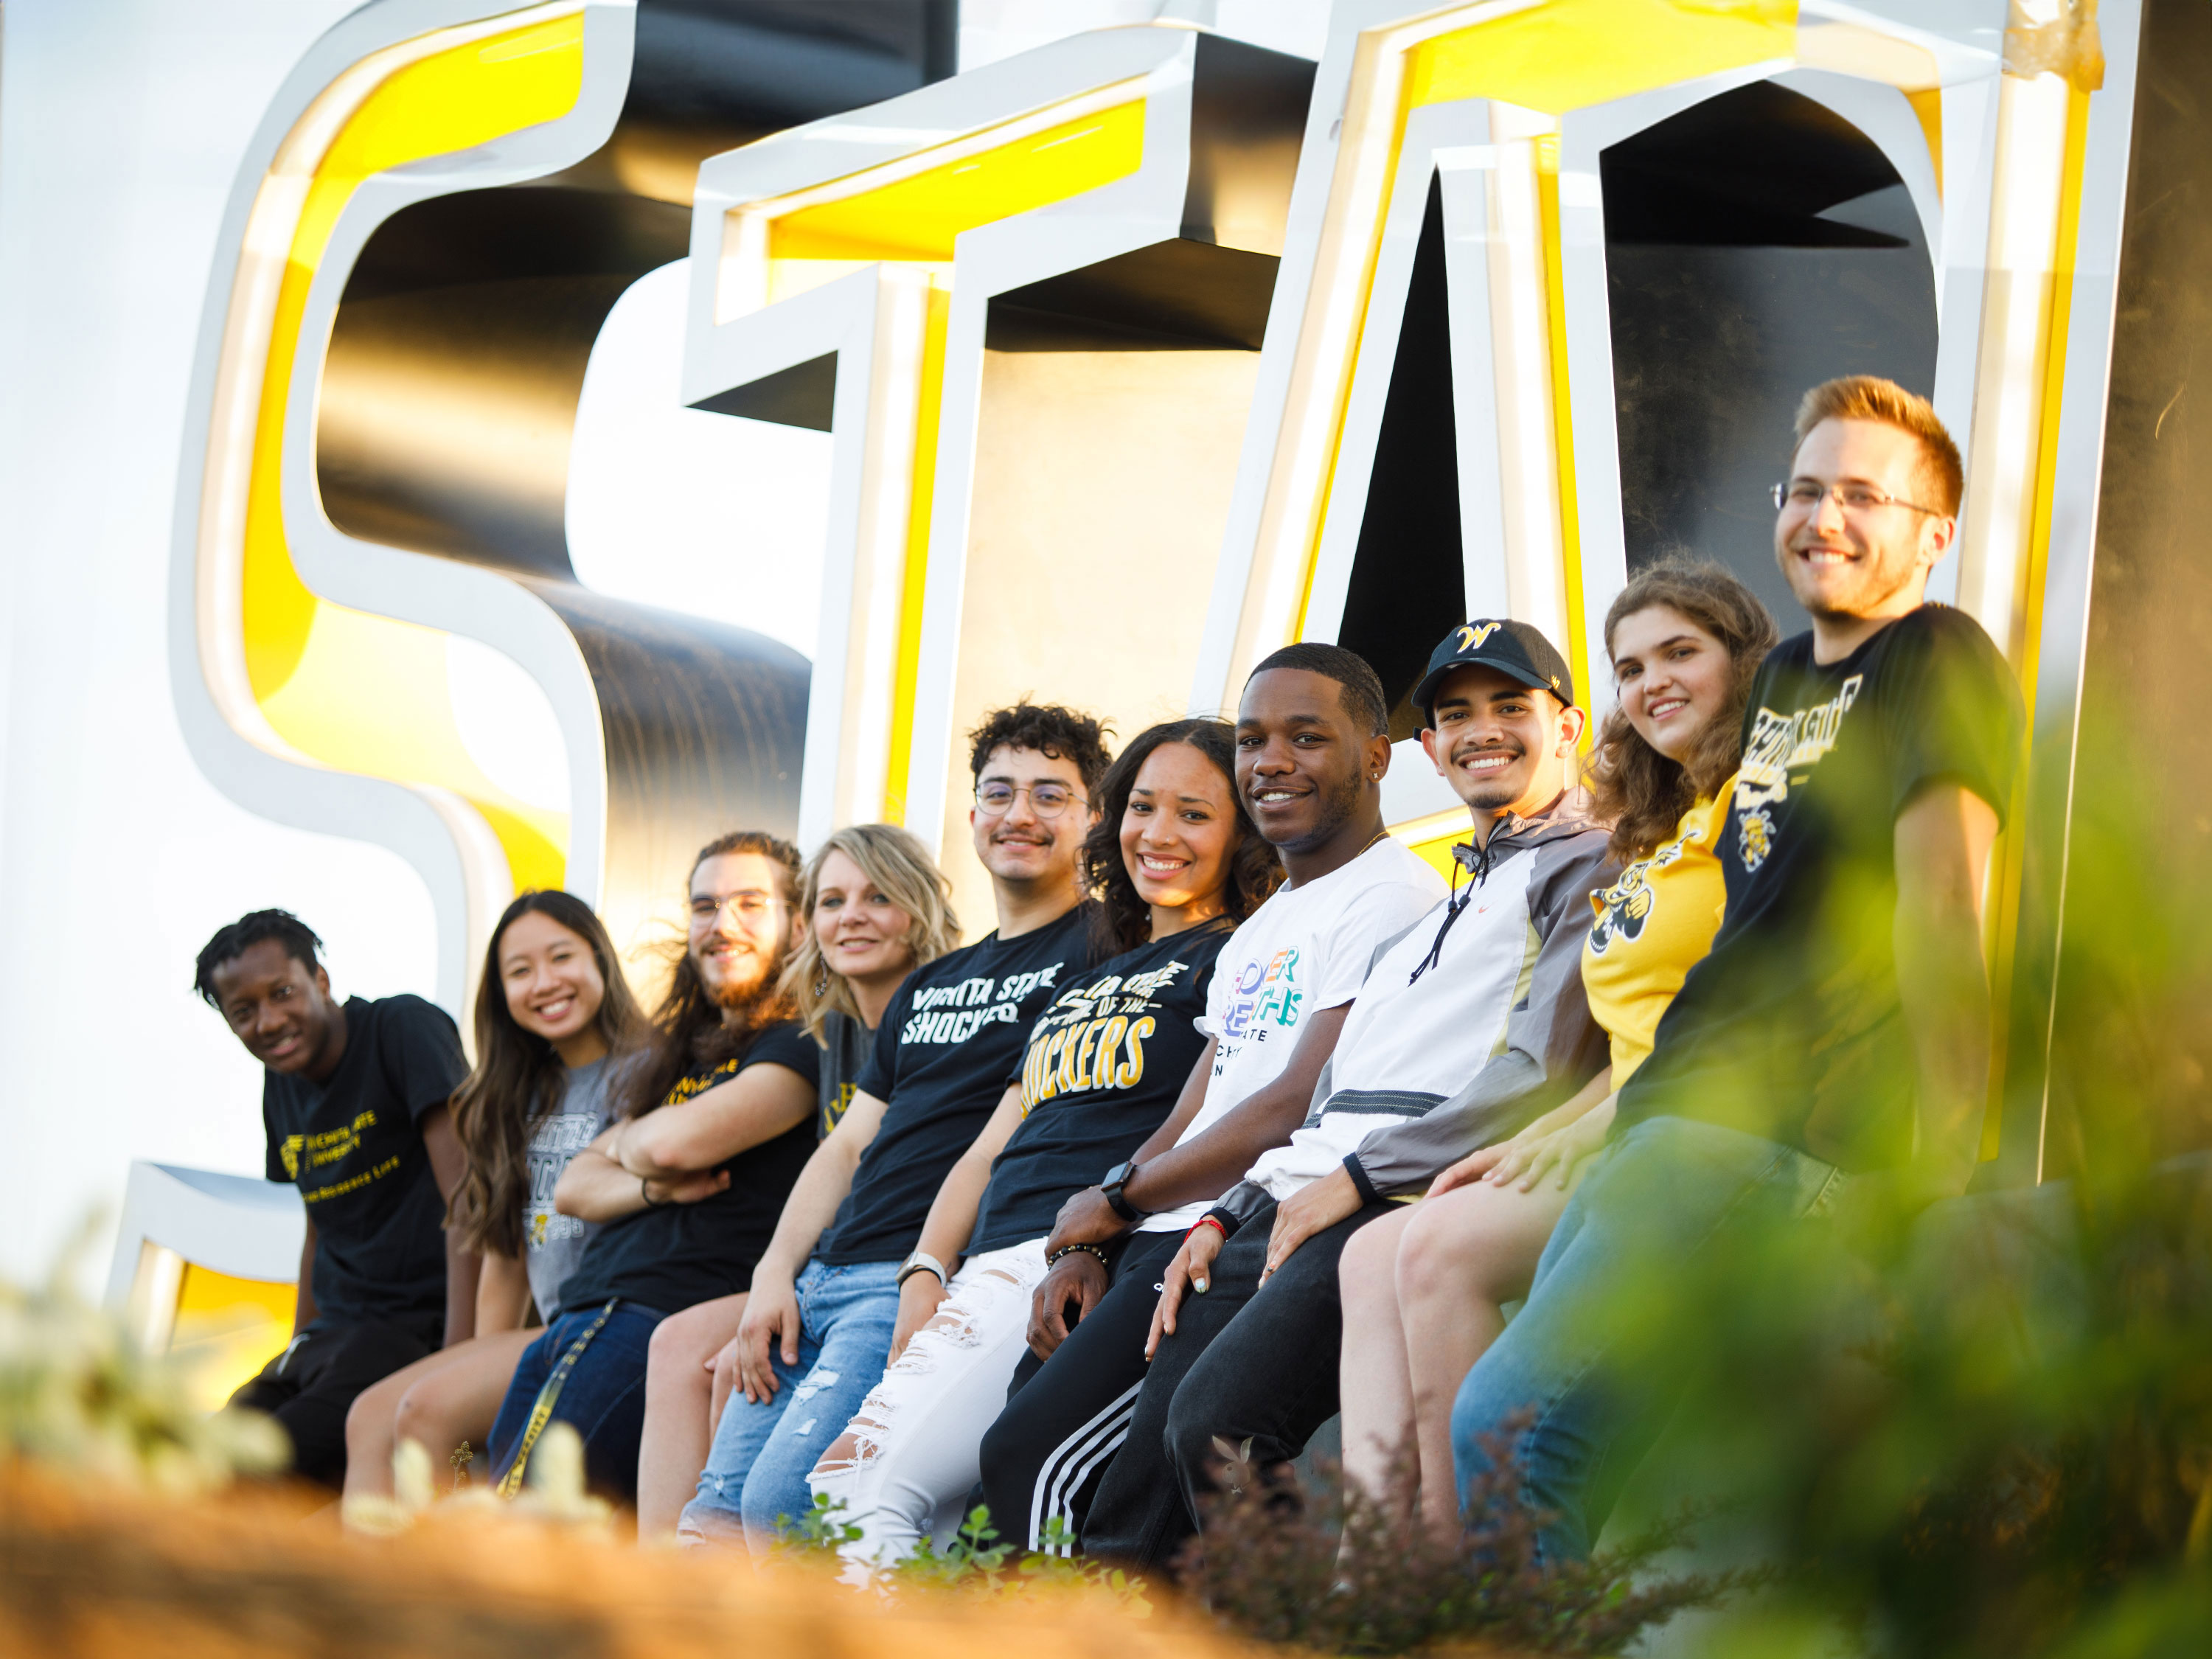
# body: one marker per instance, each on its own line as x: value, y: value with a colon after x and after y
x: 900, y: 867
x: 1056, y: 733
x: 232, y: 942
x: 1642, y: 792
x: 519, y: 1080
x: 1121, y: 920
x: 694, y: 1030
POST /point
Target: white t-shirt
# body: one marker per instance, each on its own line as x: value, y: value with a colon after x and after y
x: 1305, y: 951
x: 1411, y: 1042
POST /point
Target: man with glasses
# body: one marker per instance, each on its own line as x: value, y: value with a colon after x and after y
x: 817, y: 1332
x: 1840, y: 1027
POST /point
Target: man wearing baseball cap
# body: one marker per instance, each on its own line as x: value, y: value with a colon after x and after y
x: 1474, y: 1016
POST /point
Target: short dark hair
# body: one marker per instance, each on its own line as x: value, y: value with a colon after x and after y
x: 1361, y: 686
x: 251, y: 929
x: 1062, y: 733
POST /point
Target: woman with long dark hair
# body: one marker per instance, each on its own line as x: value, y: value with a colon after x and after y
x: 1423, y: 1290
x: 873, y: 907
x: 555, y: 1021
x: 1175, y: 864
x: 716, y: 1122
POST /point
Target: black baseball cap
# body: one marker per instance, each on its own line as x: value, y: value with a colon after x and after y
x: 1513, y: 649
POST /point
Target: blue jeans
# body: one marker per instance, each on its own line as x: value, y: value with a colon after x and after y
x: 756, y: 1475
x: 586, y: 1370
x: 1668, y: 1188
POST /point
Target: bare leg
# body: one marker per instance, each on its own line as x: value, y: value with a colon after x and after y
x: 1373, y: 1378
x: 1463, y: 1256
x: 678, y: 1396
x: 458, y: 1402
x: 370, y: 1424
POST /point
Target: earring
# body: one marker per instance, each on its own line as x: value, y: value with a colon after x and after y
x: 822, y: 983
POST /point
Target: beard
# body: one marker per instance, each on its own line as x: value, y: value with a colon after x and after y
x: 741, y: 991
x: 1501, y: 790
x: 1338, y: 807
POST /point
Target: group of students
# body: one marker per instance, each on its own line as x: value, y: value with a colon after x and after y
x: 1241, y: 1117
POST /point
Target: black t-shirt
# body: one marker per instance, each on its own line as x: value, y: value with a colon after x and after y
x: 1104, y: 1066
x: 1792, y: 1029
x: 952, y: 1034
x: 846, y: 1045
x: 674, y: 1256
x: 354, y: 1147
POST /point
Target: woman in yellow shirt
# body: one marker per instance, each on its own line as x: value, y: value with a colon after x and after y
x: 1422, y: 1291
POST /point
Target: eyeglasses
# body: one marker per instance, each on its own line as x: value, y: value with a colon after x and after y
x: 1047, y: 801
x: 1806, y: 494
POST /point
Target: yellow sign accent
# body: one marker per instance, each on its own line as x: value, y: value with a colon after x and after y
x: 228, y: 1328
x: 1571, y: 54
x: 1431, y: 837
x: 360, y: 692
x: 911, y: 213
x: 914, y: 218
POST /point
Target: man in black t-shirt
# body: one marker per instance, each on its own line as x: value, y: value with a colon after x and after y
x: 1840, y: 1029
x: 817, y: 1327
x: 353, y: 1098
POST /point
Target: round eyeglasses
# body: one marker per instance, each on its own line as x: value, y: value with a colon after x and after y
x: 1806, y: 494
x: 1047, y: 801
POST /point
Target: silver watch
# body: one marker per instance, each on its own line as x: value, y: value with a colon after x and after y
x: 922, y: 1263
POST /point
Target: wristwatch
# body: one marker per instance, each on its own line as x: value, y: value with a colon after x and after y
x: 922, y: 1263
x: 1117, y: 1178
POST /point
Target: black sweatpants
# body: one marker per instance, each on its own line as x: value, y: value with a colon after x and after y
x: 309, y: 1387
x: 1247, y: 1361
x: 1066, y: 1417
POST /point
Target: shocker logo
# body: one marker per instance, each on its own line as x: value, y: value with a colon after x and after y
x: 1627, y: 907
x: 1471, y: 637
x: 1756, y: 838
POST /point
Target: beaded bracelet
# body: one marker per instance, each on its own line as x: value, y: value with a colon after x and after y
x: 1052, y: 1260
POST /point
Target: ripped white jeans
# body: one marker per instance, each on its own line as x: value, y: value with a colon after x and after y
x: 915, y: 1443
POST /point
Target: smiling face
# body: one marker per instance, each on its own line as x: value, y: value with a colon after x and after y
x: 741, y: 925
x: 1500, y: 745
x: 1303, y: 768
x: 1674, y: 678
x: 1178, y: 832
x: 1867, y: 561
x: 861, y: 934
x: 551, y: 980
x: 1019, y: 846
x: 279, y: 1007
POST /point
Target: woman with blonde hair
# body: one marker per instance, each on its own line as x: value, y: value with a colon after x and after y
x: 1423, y: 1290
x: 873, y: 907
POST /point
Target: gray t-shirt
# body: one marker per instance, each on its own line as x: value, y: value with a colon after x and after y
x: 553, y: 1243
x: 845, y: 1048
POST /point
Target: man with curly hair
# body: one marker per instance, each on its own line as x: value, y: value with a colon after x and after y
x: 817, y: 1332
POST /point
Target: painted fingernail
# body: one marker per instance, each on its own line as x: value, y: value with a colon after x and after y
x: 1200, y: 1286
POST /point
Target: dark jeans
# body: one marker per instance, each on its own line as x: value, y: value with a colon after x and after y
x: 587, y: 1371
x: 308, y: 1387
x: 1066, y: 1418
x: 1668, y: 1190
x: 1247, y: 1361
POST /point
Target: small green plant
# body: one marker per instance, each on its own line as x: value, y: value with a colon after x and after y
x: 1339, y: 1570
x: 975, y: 1560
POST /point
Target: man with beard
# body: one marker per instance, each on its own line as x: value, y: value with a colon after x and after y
x: 1312, y: 745
x: 714, y: 1124
x: 1840, y: 1026
x: 354, y: 1097
x: 1475, y: 1014
x: 817, y: 1332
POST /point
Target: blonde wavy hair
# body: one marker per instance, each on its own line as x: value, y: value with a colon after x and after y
x: 900, y: 867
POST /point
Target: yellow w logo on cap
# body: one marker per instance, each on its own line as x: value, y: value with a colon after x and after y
x: 1470, y: 636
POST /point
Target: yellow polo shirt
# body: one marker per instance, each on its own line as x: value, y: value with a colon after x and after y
x: 1654, y: 924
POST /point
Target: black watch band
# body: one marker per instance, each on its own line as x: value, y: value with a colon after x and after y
x: 1117, y: 1178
